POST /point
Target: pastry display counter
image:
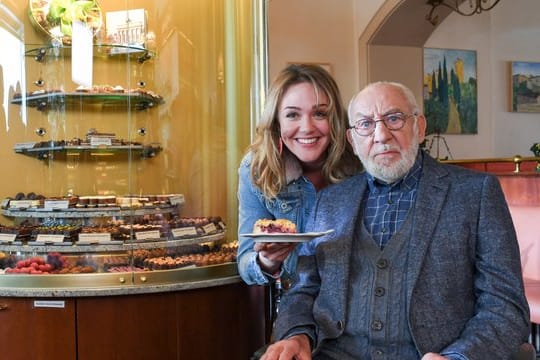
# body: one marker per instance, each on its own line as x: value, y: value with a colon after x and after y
x: 114, y: 244
x: 222, y: 319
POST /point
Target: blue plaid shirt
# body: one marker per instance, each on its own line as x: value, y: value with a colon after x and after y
x: 387, y: 205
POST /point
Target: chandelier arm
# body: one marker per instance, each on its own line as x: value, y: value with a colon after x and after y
x: 478, y: 8
x: 456, y: 8
x: 489, y: 7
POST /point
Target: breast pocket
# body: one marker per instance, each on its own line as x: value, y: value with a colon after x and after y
x: 286, y: 207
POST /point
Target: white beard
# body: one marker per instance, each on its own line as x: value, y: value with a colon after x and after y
x: 395, y: 171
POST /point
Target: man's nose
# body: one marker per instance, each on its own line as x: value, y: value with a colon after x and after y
x: 381, y: 132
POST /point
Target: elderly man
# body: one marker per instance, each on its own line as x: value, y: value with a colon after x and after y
x: 423, y: 262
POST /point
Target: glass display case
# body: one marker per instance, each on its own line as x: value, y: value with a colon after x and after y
x: 123, y: 125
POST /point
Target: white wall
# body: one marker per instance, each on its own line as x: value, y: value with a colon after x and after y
x: 314, y: 31
x: 327, y: 31
x: 509, y: 32
x: 515, y: 37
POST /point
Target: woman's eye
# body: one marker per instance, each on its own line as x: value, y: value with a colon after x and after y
x: 320, y: 115
x: 291, y: 115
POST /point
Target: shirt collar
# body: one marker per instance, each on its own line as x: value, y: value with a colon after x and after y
x: 407, y: 182
x: 293, y: 169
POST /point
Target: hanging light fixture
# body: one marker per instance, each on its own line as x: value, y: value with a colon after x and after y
x: 474, y: 7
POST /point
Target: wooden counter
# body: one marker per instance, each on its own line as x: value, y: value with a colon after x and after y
x: 214, y: 322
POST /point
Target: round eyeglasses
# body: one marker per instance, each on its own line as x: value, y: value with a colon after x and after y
x: 365, y: 126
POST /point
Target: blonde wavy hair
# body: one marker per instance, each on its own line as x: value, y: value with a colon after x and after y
x: 267, y: 166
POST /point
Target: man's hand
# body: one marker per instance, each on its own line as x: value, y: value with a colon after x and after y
x: 272, y: 255
x: 433, y: 356
x: 296, y: 347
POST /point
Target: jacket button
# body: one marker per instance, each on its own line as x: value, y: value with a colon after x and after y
x: 378, y: 353
x: 340, y: 325
x: 286, y: 283
x: 382, y: 263
x: 379, y: 291
x: 376, y: 325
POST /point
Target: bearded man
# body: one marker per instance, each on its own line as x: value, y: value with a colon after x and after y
x: 423, y: 262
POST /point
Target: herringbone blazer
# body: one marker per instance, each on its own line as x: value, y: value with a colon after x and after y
x: 464, y: 284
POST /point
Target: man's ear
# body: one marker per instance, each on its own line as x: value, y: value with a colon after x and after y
x: 349, y: 134
x: 421, y: 123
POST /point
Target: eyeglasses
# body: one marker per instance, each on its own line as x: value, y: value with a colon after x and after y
x: 365, y: 126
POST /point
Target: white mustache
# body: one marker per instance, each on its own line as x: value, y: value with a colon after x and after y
x: 387, y: 147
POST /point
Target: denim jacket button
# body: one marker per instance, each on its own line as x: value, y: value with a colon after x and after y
x: 340, y: 325
x: 377, y: 325
x: 379, y: 291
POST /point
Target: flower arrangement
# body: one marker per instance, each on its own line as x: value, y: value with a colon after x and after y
x: 535, y: 148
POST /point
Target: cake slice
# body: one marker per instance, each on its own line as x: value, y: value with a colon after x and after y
x: 268, y: 226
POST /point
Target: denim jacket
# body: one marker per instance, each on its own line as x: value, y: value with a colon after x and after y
x: 294, y: 203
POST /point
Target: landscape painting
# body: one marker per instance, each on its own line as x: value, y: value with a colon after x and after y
x: 525, y: 86
x: 450, y: 91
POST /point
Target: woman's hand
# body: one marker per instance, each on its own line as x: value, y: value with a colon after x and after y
x: 272, y: 255
x: 296, y: 347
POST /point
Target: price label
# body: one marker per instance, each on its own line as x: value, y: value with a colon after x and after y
x: 50, y: 238
x: 184, y: 231
x: 5, y: 203
x: 94, y: 238
x: 99, y: 140
x: 7, y: 237
x: 210, y: 228
x: 176, y: 200
x: 56, y: 204
x: 24, y: 145
x: 18, y: 204
x: 147, y: 235
x: 60, y: 304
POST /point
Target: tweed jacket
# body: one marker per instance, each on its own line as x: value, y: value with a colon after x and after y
x: 464, y: 285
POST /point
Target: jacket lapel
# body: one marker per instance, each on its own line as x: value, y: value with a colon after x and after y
x: 345, y: 219
x: 432, y: 191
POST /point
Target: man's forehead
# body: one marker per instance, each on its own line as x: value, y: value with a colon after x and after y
x: 382, y: 97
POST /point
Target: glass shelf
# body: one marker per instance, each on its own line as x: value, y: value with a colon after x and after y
x: 90, y: 212
x: 128, y: 245
x: 45, y: 153
x: 41, y: 52
x: 131, y: 100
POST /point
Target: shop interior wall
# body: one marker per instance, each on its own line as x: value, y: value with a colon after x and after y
x: 191, y: 125
x: 509, y: 32
x: 314, y: 31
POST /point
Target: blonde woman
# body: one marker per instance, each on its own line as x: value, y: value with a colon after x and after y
x: 299, y: 148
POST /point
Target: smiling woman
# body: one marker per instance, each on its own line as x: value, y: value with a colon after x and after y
x: 299, y: 148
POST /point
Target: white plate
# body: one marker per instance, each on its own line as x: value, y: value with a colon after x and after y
x: 281, y: 237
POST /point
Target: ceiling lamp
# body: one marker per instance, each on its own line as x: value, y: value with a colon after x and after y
x: 474, y: 7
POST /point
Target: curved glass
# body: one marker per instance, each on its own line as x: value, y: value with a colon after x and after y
x: 120, y: 145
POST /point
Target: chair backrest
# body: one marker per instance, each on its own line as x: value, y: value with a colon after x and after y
x: 525, y: 352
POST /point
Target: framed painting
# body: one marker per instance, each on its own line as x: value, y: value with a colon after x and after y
x: 525, y: 90
x: 450, y: 91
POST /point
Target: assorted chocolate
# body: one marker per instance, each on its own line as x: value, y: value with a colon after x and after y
x: 165, y: 229
x: 32, y: 201
x: 143, y: 260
